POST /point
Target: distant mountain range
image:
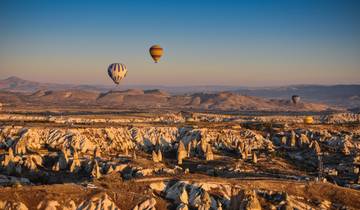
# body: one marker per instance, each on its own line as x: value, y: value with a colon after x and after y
x: 16, y: 84
x: 336, y: 95
x: 137, y: 99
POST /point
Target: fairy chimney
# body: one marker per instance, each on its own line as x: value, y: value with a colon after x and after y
x: 134, y: 155
x: 155, y: 157
x: 75, y: 165
x: 292, y: 139
x: 209, y: 154
x: 95, y: 173
x: 181, y: 153
x: 126, y: 151
x: 188, y: 149
x: 97, y: 153
x: 254, y: 157
x: 159, y: 154
x: 184, y: 198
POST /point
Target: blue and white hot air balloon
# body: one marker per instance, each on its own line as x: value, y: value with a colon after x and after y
x: 117, y: 72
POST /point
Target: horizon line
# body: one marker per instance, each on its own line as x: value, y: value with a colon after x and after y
x: 182, y: 86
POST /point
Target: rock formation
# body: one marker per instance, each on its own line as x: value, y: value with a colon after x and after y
x: 292, y: 142
x: 181, y: 153
x: 254, y: 158
x: 155, y: 157
x: 99, y: 201
x: 209, y: 154
x: 160, y: 156
x: 95, y: 173
x: 75, y: 166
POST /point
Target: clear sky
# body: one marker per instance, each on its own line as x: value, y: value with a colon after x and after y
x: 206, y: 42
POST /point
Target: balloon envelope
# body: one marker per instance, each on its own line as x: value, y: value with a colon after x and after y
x: 156, y: 52
x: 295, y: 99
x: 308, y: 120
x: 117, y: 72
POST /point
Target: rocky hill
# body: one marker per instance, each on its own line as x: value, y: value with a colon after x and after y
x: 337, y: 95
x: 153, y: 99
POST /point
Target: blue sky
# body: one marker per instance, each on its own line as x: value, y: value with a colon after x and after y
x: 223, y: 42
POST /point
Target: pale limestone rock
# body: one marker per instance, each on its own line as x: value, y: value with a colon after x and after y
x: 8, y: 159
x: 126, y: 151
x: 56, y: 166
x: 95, y: 173
x: 315, y: 147
x: 146, y: 205
x: 159, y: 154
x: 145, y: 172
x: 158, y: 186
x: 134, y: 155
x: 304, y: 140
x: 70, y: 205
x: 120, y: 168
x: 155, y: 157
x: 184, y: 198
x: 173, y: 192
x: 11, y: 153
x: 325, y: 204
x: 249, y: 200
x: 245, y: 154
x: 81, y: 141
x: 181, y: 153
x: 97, y: 153
x: 209, y: 154
x: 49, y: 205
x: 98, y: 202
x: 9, y: 205
x: 205, y: 201
x: 75, y: 166
x: 292, y: 142
x: 241, y: 146
x: 30, y: 164
x: 20, y: 145
x: 219, y: 205
x: 254, y: 158
x: 356, y: 170
x: 189, y: 150
x: 345, y: 150
x: 203, y: 146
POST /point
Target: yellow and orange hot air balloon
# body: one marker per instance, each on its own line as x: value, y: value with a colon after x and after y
x: 156, y: 52
x: 308, y: 120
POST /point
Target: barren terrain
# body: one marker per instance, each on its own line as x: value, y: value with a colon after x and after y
x: 149, y: 150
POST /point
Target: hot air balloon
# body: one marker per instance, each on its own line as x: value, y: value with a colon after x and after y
x: 308, y: 120
x: 117, y: 72
x: 295, y: 99
x: 156, y: 52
